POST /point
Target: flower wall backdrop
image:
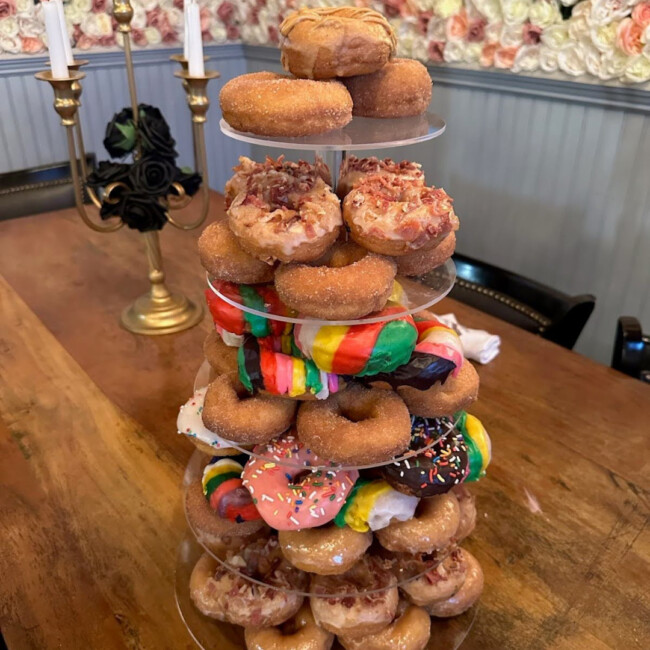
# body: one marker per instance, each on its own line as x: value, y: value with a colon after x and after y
x: 608, y: 39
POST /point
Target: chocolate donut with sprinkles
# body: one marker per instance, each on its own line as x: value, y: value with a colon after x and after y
x: 457, y: 456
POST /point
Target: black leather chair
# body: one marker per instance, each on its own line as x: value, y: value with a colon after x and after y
x: 39, y: 189
x: 521, y: 301
x: 631, y: 349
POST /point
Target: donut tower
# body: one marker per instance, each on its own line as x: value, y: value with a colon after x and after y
x: 327, y: 500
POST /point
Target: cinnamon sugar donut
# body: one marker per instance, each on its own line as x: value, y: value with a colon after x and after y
x: 353, y: 170
x: 238, y: 417
x: 422, y: 261
x: 402, y: 88
x: 298, y: 633
x: 409, y: 631
x: 218, y: 534
x: 221, y: 357
x: 326, y: 550
x: 347, y: 283
x: 356, y: 426
x: 227, y: 593
x: 292, y: 220
x: 394, y: 216
x: 273, y: 104
x: 223, y: 258
x: 433, y: 527
x: 441, y: 583
x: 323, y: 43
x: 456, y: 394
x: 466, y: 596
x: 467, y: 505
x: 340, y: 605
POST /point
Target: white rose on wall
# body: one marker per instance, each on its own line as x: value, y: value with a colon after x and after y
x: 447, y: 8
x: 582, y: 10
x: 175, y: 18
x: 515, y: 12
x: 491, y: 9
x: 473, y: 52
x: 556, y: 36
x: 139, y: 20
x: 24, y: 6
x: 152, y: 35
x: 9, y: 27
x: 604, y: 11
x: 437, y: 29
x: 493, y: 32
x: 638, y: 69
x: 97, y: 25
x: 147, y: 5
x: 218, y: 31
x: 579, y: 30
x: 604, y: 36
x: 548, y: 59
x: 571, y: 59
x: 613, y: 64
x: 544, y: 13
x: 527, y: 59
x: 10, y: 44
x: 454, y: 51
x: 511, y: 36
x: 31, y: 26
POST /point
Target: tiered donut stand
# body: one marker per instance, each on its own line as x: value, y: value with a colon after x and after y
x: 362, y: 134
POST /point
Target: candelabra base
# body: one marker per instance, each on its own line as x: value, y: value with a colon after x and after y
x: 152, y: 315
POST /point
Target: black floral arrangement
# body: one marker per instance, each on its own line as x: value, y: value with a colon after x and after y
x: 138, y: 192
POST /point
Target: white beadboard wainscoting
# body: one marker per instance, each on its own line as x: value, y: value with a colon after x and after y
x: 550, y: 178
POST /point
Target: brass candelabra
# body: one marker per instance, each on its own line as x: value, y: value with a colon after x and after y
x: 159, y: 311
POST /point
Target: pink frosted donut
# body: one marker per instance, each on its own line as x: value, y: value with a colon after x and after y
x: 292, y: 496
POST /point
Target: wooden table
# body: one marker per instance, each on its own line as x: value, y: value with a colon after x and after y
x: 91, y: 466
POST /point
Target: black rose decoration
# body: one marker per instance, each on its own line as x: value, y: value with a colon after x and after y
x: 108, y: 172
x: 153, y: 131
x: 142, y: 213
x: 152, y: 176
x: 190, y: 181
x: 120, y: 135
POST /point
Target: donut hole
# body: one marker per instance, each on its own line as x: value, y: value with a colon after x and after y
x: 346, y: 255
x: 358, y: 406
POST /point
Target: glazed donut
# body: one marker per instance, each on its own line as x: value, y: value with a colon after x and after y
x: 436, y: 338
x: 261, y: 368
x: 432, y: 527
x: 223, y: 488
x: 394, y: 216
x: 353, y: 170
x: 466, y: 596
x: 266, y: 103
x: 326, y: 550
x: 298, y: 633
x: 347, y: 283
x: 228, y: 594
x: 223, y: 258
x: 218, y: 534
x: 242, y: 418
x: 323, y: 43
x: 221, y: 357
x: 402, y: 88
x: 293, y: 496
x: 236, y: 321
x: 373, y: 504
x: 356, y: 426
x: 424, y: 260
x: 340, y: 606
x: 190, y: 424
x: 467, y: 505
x: 293, y: 220
x: 456, y: 394
x: 410, y: 631
x: 359, y: 350
x: 272, y: 173
x: 442, y: 582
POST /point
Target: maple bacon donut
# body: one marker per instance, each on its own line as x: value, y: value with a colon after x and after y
x: 266, y: 103
x: 353, y: 170
x: 323, y: 43
x: 298, y: 633
x: 394, y: 216
x: 402, y: 88
x: 347, y: 283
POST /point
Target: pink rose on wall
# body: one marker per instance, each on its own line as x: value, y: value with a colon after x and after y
x: 226, y: 12
x: 232, y: 32
x: 274, y: 35
x: 641, y: 14
x: 394, y: 8
x: 504, y: 57
x: 532, y: 34
x: 138, y: 37
x: 476, y: 31
x: 457, y: 26
x: 628, y: 37
x: 206, y: 18
x: 179, y: 4
x: 31, y: 45
x: 423, y: 22
x: 7, y: 8
x: 486, y: 60
x: 436, y: 51
x: 85, y: 42
x: 100, y: 6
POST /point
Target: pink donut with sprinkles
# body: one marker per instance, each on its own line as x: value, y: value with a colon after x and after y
x: 293, y: 496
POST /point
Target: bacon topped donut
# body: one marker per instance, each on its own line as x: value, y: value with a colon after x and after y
x: 285, y: 216
x: 393, y: 215
x: 354, y: 170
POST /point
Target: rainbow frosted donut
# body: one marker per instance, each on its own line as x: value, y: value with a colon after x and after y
x: 434, y: 337
x: 261, y: 367
x: 224, y: 491
x: 479, y: 445
x: 288, y: 499
x: 263, y: 298
x: 359, y: 350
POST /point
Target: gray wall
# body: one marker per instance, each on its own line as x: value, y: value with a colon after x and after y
x: 550, y: 178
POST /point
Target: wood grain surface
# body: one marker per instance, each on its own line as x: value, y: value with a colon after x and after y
x: 91, y: 465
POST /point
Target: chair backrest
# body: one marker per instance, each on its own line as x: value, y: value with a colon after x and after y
x: 521, y: 301
x: 39, y: 189
x: 631, y: 353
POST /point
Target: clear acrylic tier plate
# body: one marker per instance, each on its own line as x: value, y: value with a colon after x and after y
x: 361, y: 134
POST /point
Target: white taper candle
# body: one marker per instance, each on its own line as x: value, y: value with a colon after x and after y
x: 55, y: 40
x: 186, y: 44
x: 195, y: 49
x: 64, y: 33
